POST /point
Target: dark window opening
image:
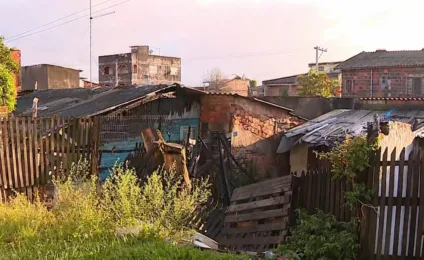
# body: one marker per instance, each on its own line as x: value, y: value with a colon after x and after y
x: 106, y: 70
x: 135, y: 68
x: 416, y: 86
x: 349, y: 86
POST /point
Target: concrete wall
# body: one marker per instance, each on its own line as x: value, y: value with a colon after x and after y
x: 139, y: 68
x: 253, y: 125
x: 328, y: 67
x: 109, y: 63
x: 49, y: 77
x: 280, y: 90
x: 34, y: 74
x: 311, y: 107
x: 62, y: 78
x: 398, y: 77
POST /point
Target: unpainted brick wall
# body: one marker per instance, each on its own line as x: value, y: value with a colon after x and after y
x: 256, y: 128
x: 398, y: 76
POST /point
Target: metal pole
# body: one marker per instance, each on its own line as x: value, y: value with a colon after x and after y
x: 91, y: 78
x: 316, y: 58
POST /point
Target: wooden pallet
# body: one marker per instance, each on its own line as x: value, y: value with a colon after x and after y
x: 257, y: 219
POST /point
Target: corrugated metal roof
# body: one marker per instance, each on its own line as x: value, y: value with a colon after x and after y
x: 335, y: 125
x: 82, y: 102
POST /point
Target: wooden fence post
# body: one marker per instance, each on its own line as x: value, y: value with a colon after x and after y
x: 95, y: 146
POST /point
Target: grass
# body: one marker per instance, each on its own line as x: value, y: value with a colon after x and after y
x: 84, y: 222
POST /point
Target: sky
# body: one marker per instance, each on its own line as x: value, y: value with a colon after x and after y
x: 261, y: 39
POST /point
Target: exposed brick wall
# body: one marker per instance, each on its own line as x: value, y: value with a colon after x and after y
x: 255, y: 128
x: 16, y: 55
x: 233, y: 86
x: 398, y: 77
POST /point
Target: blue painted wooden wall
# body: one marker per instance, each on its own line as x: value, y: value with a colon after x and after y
x: 124, y: 147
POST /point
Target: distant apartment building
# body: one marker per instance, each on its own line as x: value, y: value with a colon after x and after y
x: 138, y: 67
x: 16, y: 56
x: 46, y: 76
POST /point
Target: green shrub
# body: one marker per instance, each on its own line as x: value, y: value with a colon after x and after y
x: 83, y: 223
x: 320, y: 236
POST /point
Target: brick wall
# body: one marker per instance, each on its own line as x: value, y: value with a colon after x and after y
x: 16, y: 55
x: 233, y: 86
x: 399, y: 83
x: 255, y: 128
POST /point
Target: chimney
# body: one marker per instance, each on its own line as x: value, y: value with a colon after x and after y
x: 381, y: 50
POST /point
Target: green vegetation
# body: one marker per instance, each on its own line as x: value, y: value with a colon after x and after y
x: 121, y: 220
x: 320, y: 236
x: 317, y: 84
x: 8, y: 67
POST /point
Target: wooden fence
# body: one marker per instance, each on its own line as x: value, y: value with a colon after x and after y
x: 317, y: 190
x: 34, y: 150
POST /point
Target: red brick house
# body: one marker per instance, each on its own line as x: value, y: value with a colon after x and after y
x: 383, y: 74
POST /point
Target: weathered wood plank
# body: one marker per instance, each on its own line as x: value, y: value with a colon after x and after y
x: 390, y: 202
x: 382, y: 206
x: 414, y: 203
x: 277, y: 187
x: 25, y: 130
x: 280, y: 225
x: 258, y: 215
x: 4, y: 183
x: 12, y: 136
x: 42, y: 152
x: 19, y: 152
x: 396, y: 250
x: 259, y: 204
x: 408, y: 202
x: 261, y: 185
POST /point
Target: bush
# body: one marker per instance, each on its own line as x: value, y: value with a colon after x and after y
x: 320, y: 236
x: 84, y: 222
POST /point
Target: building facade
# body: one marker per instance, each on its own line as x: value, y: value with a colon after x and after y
x: 139, y: 67
x: 45, y: 76
x: 327, y: 67
x: 384, y: 74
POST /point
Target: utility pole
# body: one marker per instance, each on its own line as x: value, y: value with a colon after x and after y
x: 318, y: 49
x: 91, y: 78
x: 116, y: 74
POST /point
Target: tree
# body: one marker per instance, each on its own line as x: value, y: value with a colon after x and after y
x: 6, y: 58
x: 7, y: 88
x: 317, y: 84
x: 7, y: 85
x: 214, y: 77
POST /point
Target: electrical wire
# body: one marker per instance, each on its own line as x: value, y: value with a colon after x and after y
x: 73, y: 20
x: 244, y: 55
x: 57, y: 20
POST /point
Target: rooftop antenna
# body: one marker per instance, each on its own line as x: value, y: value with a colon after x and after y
x: 91, y: 38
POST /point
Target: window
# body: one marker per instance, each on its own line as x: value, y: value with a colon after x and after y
x: 416, y: 86
x: 134, y: 69
x: 320, y: 68
x: 349, y: 86
x: 385, y: 82
x: 106, y: 70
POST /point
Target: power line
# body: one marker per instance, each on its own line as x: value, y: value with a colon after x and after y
x: 244, y: 55
x: 57, y: 20
x: 73, y: 20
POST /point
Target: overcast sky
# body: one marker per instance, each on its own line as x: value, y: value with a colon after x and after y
x: 262, y: 39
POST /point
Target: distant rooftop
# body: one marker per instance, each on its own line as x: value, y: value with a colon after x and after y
x: 384, y: 59
x: 52, y: 65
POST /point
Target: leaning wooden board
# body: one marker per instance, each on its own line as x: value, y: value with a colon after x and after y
x: 257, y: 219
